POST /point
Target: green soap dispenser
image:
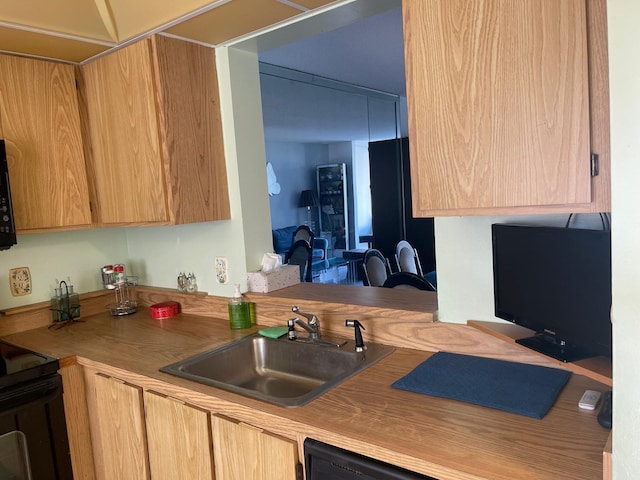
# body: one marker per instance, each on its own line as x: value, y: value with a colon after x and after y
x: 239, y: 316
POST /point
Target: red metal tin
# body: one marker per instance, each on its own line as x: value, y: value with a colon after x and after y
x: 164, y: 309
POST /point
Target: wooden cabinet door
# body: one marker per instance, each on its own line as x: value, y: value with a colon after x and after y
x: 155, y: 131
x: 498, y: 96
x: 242, y: 451
x: 77, y: 418
x: 41, y: 124
x: 188, y: 84
x: 179, y: 439
x: 120, y: 431
x: 127, y: 167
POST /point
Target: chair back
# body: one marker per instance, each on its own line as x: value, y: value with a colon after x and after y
x: 300, y: 254
x: 375, y: 268
x: 407, y: 259
x: 408, y: 280
x: 303, y: 232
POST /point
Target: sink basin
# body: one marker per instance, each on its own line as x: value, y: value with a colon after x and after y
x: 279, y: 371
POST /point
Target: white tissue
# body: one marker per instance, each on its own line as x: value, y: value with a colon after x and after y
x: 270, y: 261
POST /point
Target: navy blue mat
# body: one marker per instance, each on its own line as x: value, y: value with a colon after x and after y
x: 529, y: 390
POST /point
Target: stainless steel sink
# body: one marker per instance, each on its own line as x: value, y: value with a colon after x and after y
x: 279, y: 371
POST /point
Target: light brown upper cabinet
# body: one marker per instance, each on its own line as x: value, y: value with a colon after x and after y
x: 41, y: 125
x: 154, y: 135
x: 507, y: 100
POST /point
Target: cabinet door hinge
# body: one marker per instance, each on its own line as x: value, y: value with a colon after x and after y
x: 595, y: 165
x: 299, y: 471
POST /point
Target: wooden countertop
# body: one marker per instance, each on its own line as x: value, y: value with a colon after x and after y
x: 438, y: 437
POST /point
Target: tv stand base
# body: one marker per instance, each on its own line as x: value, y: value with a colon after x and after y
x: 549, y: 346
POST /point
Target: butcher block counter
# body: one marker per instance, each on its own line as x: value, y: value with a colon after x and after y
x: 442, y: 438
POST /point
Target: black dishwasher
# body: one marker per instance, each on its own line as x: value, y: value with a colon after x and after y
x: 32, y: 413
x: 326, y: 462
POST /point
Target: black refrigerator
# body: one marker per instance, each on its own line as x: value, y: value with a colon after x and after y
x: 392, y: 218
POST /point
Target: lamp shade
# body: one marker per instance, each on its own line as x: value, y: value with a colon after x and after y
x: 307, y: 199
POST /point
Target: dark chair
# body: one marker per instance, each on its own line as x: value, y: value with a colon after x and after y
x: 300, y: 254
x: 320, y: 246
x: 375, y: 268
x: 408, y: 280
x: 407, y: 259
x: 303, y: 232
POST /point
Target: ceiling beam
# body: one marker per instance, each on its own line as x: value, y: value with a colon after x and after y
x: 106, y: 14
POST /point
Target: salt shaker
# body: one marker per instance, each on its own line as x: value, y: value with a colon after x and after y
x: 192, y: 284
x: 182, y: 282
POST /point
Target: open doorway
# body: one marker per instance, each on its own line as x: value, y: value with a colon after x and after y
x: 324, y: 99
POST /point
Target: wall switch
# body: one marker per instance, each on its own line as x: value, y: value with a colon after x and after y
x: 222, y: 273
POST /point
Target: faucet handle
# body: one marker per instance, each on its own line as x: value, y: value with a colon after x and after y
x: 312, y: 320
x: 292, y: 334
x: 360, y: 346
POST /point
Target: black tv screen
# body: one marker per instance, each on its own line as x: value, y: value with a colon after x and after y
x: 557, y: 282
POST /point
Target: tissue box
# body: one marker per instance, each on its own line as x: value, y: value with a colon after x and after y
x: 281, y: 277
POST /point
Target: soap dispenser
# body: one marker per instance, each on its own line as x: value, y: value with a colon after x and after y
x: 239, y: 316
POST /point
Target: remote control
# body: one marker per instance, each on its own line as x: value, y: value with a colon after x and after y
x: 606, y: 411
x: 589, y: 400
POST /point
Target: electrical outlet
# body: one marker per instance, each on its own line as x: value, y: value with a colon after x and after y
x: 222, y: 270
x: 20, y: 281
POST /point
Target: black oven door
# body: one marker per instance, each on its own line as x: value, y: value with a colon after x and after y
x: 32, y: 417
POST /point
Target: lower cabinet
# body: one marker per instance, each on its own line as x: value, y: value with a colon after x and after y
x: 141, y: 434
x: 119, y: 432
x: 179, y: 439
x: 243, y: 451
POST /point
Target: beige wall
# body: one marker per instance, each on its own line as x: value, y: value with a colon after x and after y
x: 624, y: 68
x: 50, y: 256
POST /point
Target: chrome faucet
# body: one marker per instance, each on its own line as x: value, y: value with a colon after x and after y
x: 312, y: 325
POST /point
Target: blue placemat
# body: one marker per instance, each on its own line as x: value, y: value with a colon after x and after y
x: 529, y: 390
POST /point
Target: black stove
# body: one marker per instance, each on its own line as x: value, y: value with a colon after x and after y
x: 32, y: 409
x: 19, y: 365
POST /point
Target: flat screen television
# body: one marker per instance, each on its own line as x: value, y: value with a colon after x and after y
x: 556, y: 282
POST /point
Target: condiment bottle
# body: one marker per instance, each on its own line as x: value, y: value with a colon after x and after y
x: 56, y: 308
x: 74, y: 303
x: 238, y: 310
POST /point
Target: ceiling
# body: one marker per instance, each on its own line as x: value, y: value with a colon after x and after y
x: 367, y: 52
x: 77, y: 30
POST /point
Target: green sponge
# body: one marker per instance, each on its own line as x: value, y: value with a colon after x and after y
x: 274, y: 332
